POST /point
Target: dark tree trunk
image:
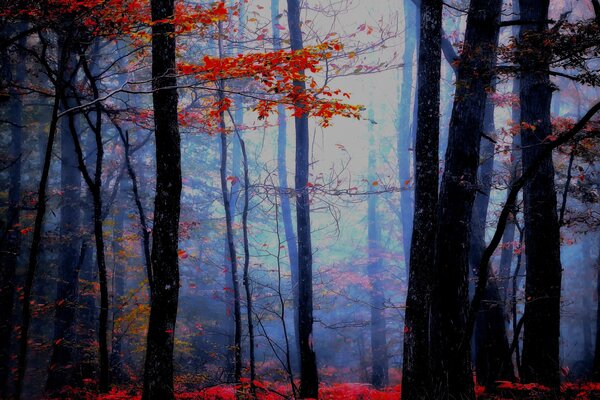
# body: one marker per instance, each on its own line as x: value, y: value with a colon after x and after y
x: 406, y: 129
x: 379, y: 357
x: 416, y: 373
x: 231, y: 256
x: 451, y: 369
x: 286, y: 209
x: 11, y: 240
x: 144, y: 231
x: 309, y: 378
x: 158, y: 373
x: 493, y: 360
x: 61, y: 369
x: 95, y: 186
x: 542, y: 240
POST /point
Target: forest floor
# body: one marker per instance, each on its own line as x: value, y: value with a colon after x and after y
x: 355, y: 391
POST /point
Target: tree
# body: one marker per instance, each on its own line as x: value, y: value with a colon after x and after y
x: 415, y: 377
x: 309, y: 379
x: 158, y: 372
x: 540, y: 361
x: 231, y: 253
x: 452, y: 376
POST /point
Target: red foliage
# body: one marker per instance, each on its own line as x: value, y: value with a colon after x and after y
x: 358, y: 391
x: 346, y: 391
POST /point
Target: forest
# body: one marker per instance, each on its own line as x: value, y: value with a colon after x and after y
x: 299, y: 199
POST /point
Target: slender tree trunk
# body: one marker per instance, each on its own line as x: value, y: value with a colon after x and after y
x: 11, y: 240
x: 286, y: 208
x: 232, y: 258
x: 158, y: 373
x: 416, y: 373
x: 95, y: 186
x: 542, y: 240
x: 379, y: 357
x: 451, y: 369
x: 61, y: 368
x: 231, y: 251
x: 309, y: 378
x: 248, y: 289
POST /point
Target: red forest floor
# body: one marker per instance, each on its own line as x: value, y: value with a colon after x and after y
x: 356, y: 391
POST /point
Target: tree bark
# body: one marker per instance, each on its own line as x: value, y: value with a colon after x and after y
x: 309, y: 379
x: 451, y: 369
x: 542, y: 239
x: 416, y: 373
x: 158, y: 373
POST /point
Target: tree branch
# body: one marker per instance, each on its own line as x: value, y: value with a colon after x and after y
x: 483, y: 268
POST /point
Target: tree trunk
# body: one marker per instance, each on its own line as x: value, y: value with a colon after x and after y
x: 379, y: 357
x: 451, y: 370
x: 309, y: 379
x: 247, y: 287
x: 230, y: 251
x: 158, y: 373
x: 542, y: 240
x: 416, y: 373
x: 95, y: 187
